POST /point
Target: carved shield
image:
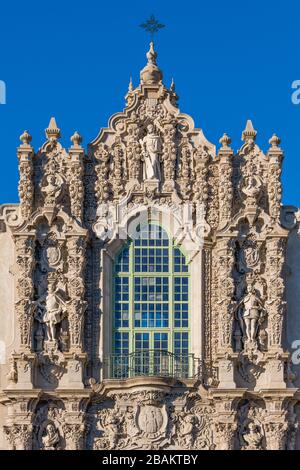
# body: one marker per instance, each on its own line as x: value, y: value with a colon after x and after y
x: 151, y: 420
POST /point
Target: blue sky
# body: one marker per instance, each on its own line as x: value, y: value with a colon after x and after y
x: 231, y: 61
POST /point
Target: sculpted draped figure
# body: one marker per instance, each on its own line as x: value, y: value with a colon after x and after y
x: 51, y: 437
x: 151, y: 149
x: 251, y: 315
x: 253, y: 437
x: 51, y: 309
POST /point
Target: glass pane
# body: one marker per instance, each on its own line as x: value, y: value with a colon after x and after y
x: 121, y: 306
x: 151, y: 258
x: 181, y: 350
x: 122, y: 263
x: 180, y: 265
x: 144, y: 293
x: 118, y: 362
x: 150, y: 301
x: 141, y: 355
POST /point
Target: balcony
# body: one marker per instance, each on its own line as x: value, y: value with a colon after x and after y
x: 155, y: 363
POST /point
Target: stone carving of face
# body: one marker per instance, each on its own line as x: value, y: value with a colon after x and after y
x: 51, y: 288
x: 50, y: 429
x: 251, y: 290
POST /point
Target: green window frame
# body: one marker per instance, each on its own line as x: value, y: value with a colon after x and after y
x: 150, y: 297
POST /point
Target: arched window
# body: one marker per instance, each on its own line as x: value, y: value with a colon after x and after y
x: 151, y: 321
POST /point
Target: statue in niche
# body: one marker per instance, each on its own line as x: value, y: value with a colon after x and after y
x: 252, y: 182
x: 151, y: 149
x: 250, y: 314
x: 51, y: 437
x: 252, y: 186
x: 253, y: 437
x: 52, y: 187
x: 51, y: 310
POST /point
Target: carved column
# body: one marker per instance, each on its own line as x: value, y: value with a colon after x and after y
x: 76, y: 189
x: 19, y: 436
x: 118, y: 167
x: 224, y: 423
x: 26, y: 188
x: 225, y: 181
x: 275, y: 155
x: 225, y: 263
x: 184, y: 176
x: 276, y: 306
x: 200, y: 187
x: 74, y: 429
x: 276, y: 423
x: 102, y: 184
x: 169, y: 154
x: 76, y: 247
x: 225, y: 432
x: 225, y: 255
x: 276, y: 433
x: 133, y: 154
x: 24, y: 245
x: 207, y: 316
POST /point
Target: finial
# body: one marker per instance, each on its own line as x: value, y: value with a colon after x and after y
x: 52, y: 131
x: 151, y: 74
x: 274, y: 141
x: 225, y: 140
x: 130, y: 86
x: 76, y: 139
x: 249, y: 133
x: 172, y: 86
x: 25, y: 138
x: 151, y: 54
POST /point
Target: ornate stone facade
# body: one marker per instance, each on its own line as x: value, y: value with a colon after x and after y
x: 58, y: 248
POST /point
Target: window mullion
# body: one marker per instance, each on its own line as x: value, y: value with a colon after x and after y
x: 171, y: 295
x: 131, y: 298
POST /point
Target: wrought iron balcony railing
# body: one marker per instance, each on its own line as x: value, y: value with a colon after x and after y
x: 157, y: 363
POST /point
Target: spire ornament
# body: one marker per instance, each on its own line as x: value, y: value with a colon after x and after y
x: 129, y: 97
x: 152, y: 26
x: 25, y: 138
x: 52, y: 131
x: 274, y: 141
x: 151, y: 73
x: 249, y: 133
x: 76, y: 139
x: 172, y: 86
x: 130, y: 86
x: 225, y: 141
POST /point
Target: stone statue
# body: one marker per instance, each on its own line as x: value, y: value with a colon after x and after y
x: 51, y: 310
x: 252, y: 186
x: 187, y: 433
x: 151, y: 150
x: 112, y: 430
x: 51, y: 437
x: 253, y: 437
x: 131, y: 430
x: 52, y: 188
x: 251, y: 315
